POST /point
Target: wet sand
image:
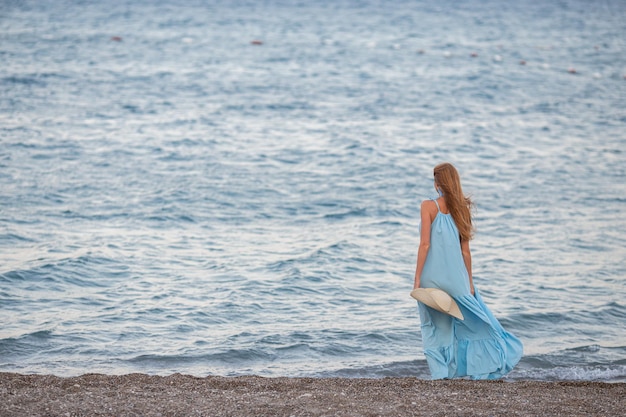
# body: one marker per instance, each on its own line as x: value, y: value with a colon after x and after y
x: 183, y: 395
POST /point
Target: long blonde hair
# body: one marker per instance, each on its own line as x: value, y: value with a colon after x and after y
x: 448, y: 180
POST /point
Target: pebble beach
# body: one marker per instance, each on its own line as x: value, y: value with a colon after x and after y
x: 183, y: 395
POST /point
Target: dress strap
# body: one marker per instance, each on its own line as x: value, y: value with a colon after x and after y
x: 435, y: 200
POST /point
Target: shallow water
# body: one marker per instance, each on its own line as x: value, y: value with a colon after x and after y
x: 182, y: 200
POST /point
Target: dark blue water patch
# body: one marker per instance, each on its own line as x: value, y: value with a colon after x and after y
x: 238, y: 357
x: 10, y: 301
x: 594, y: 355
x: 416, y: 368
x: 537, y: 329
x: 193, y: 143
x: 287, y: 266
x: 614, y: 311
x: 346, y: 344
x: 83, y: 271
x: 294, y: 350
x: 171, y: 219
x: 13, y: 276
x: 360, y: 212
x: 12, y: 238
x: 580, y: 321
x: 204, y: 319
x: 28, y: 344
x: 23, y: 80
x: 132, y: 108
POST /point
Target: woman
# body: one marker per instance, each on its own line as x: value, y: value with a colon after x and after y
x: 476, y: 346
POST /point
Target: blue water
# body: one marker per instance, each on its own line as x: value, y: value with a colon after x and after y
x: 179, y: 199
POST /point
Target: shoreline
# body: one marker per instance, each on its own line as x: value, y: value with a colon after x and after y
x: 185, y: 395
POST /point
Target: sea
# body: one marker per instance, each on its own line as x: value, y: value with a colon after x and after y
x: 233, y: 187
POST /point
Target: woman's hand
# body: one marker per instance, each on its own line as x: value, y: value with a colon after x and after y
x: 416, y: 281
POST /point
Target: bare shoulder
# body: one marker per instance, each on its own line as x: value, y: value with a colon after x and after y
x: 429, y: 206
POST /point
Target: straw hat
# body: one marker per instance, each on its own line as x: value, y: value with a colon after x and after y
x: 437, y: 299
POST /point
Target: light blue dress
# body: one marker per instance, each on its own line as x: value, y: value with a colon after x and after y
x: 478, y: 346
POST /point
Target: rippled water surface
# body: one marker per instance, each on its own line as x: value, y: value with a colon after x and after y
x: 177, y: 198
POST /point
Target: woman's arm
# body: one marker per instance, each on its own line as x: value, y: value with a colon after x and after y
x: 467, y: 258
x: 427, y: 219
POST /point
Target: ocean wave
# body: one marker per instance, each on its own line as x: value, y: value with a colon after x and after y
x: 238, y: 357
x: 12, y: 348
x: 57, y: 274
x: 580, y: 315
x: 23, y: 80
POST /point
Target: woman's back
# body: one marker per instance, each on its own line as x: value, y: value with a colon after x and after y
x: 444, y: 267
